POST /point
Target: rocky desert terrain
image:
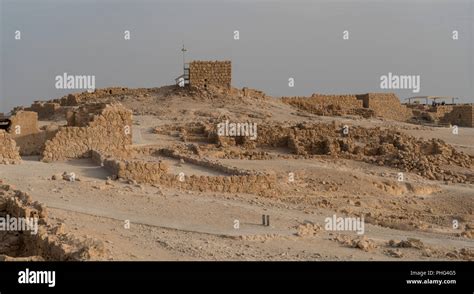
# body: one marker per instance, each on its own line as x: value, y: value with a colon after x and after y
x: 171, y: 188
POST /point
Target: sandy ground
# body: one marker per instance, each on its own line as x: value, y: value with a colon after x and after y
x: 173, y: 225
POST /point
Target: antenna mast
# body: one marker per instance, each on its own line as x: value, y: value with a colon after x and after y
x: 184, y: 60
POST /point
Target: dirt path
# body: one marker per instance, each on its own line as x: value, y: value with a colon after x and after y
x: 183, y: 225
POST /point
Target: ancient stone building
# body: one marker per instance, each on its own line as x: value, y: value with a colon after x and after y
x: 386, y: 105
x: 460, y: 115
x: 95, y: 126
x: 45, y: 110
x: 25, y: 131
x: 24, y: 123
x: 205, y: 73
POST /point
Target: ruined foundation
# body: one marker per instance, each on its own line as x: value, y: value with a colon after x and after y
x: 51, y: 242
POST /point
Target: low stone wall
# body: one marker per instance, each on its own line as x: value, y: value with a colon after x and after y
x: 325, y: 104
x: 156, y: 173
x: 252, y: 93
x: 254, y: 184
x: 204, y: 162
x: 140, y: 171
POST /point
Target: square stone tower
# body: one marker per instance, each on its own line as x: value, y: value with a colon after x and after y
x: 205, y: 73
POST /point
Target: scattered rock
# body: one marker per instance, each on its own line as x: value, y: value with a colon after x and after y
x: 56, y: 177
x: 409, y: 243
x: 362, y: 243
x: 395, y: 253
x: 307, y: 230
x: 69, y: 176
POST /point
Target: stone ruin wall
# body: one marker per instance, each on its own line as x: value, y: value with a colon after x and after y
x: 91, y: 126
x: 386, y: 105
x: 190, y: 154
x: 215, y: 73
x: 9, y: 152
x: 440, y: 111
x: 250, y: 93
x: 85, y: 114
x: 325, y: 104
x: 45, y: 110
x: 387, y: 147
x: 58, y: 108
x: 156, y: 173
x: 26, y: 120
x: 26, y: 133
x: 460, y: 115
x: 204, y: 162
x: 77, y: 99
x: 140, y: 171
x: 50, y: 242
x: 106, y: 131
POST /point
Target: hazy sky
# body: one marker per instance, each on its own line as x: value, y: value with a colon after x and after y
x: 278, y: 40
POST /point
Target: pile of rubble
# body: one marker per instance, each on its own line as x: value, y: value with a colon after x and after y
x: 362, y: 243
x: 429, y: 159
x: 387, y: 147
x: 308, y: 229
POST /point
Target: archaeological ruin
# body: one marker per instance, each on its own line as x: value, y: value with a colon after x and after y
x: 212, y: 139
x: 383, y: 105
x: 205, y: 73
x: 455, y: 114
x: 91, y: 126
x: 140, y: 144
x: 49, y: 241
